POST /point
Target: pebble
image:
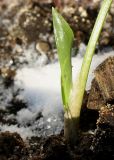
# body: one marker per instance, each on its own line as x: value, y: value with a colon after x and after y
x: 42, y: 47
x: 83, y: 12
x: 7, y: 72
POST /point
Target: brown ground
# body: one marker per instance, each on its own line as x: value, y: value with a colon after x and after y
x: 89, y: 146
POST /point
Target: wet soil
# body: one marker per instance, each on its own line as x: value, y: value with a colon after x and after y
x: 95, y: 141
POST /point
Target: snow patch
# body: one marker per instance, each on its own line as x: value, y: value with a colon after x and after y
x: 23, y: 131
x: 41, y: 85
x: 40, y: 89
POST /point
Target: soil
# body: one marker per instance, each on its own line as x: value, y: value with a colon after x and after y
x: 89, y: 146
x: 19, y: 28
x: 96, y: 138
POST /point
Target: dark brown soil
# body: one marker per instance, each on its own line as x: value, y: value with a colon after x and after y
x: 89, y: 146
x: 11, y: 146
x: 96, y: 140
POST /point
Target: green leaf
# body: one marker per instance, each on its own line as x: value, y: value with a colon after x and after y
x: 64, y: 38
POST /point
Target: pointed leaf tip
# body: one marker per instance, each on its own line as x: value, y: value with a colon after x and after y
x: 64, y: 38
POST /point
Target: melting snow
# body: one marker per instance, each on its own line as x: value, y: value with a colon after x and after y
x: 41, y: 91
x: 42, y: 84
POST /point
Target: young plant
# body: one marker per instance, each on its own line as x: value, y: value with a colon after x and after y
x: 72, y: 93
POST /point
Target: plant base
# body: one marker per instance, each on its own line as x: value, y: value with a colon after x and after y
x: 71, y: 128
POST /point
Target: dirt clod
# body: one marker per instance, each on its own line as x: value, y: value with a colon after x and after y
x: 95, y: 99
x: 11, y: 143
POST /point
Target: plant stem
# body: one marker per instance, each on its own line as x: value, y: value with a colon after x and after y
x: 77, y: 93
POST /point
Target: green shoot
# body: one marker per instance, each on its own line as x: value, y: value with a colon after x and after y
x: 72, y: 94
x: 64, y: 38
x: 76, y: 97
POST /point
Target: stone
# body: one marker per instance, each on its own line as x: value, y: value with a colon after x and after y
x: 42, y: 47
x: 7, y: 72
x: 102, y: 88
x: 104, y: 75
x: 95, y: 99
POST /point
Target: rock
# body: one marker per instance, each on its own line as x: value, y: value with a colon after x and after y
x: 95, y: 99
x: 104, y: 75
x: 83, y: 12
x: 42, y: 47
x: 102, y: 88
x: 7, y: 72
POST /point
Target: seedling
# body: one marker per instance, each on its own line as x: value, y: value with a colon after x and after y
x: 72, y: 93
